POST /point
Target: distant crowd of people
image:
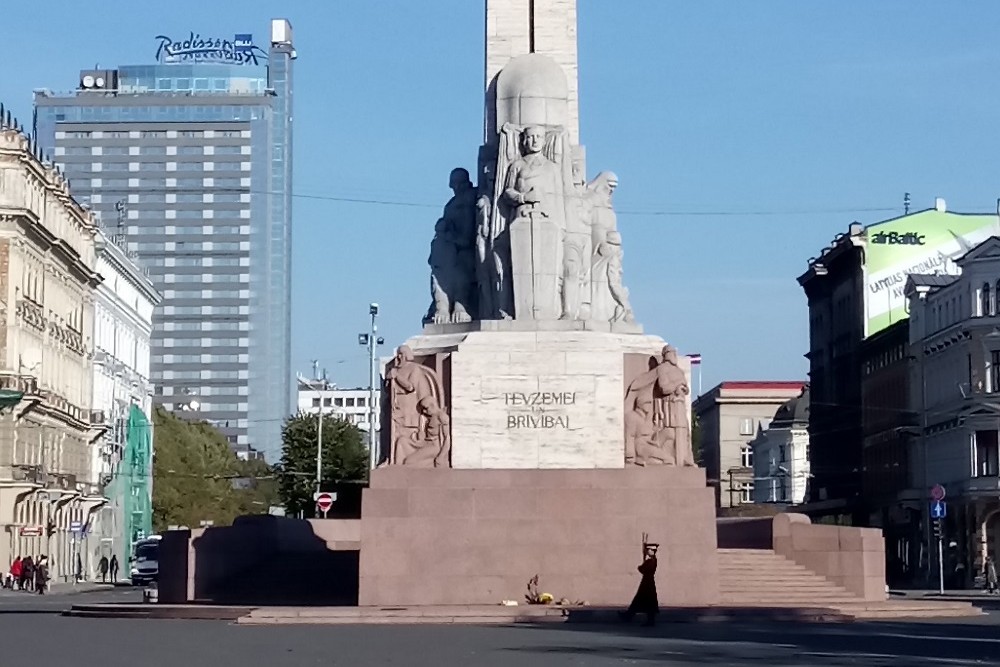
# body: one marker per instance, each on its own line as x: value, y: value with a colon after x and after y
x: 32, y: 574
x: 28, y: 574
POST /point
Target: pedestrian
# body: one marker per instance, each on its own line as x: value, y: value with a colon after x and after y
x: 15, y: 573
x: 102, y: 567
x: 990, y: 570
x: 645, y: 600
x: 114, y: 568
x: 42, y: 574
x: 27, y: 573
x: 79, y: 568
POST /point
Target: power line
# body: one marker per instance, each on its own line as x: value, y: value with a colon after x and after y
x: 374, y: 201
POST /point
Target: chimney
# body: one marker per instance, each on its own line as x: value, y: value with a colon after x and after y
x: 941, y: 205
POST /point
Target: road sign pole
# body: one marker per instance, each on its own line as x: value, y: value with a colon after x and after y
x: 941, y: 564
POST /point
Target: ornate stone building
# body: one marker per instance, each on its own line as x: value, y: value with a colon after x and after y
x: 47, y: 281
x: 122, y: 458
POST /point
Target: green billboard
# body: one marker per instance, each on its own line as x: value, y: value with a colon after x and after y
x: 927, y: 242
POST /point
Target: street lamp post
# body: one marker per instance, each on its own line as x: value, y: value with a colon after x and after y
x: 372, y: 341
x: 319, y: 439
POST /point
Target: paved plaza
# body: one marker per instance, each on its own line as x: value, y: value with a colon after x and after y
x: 55, y: 639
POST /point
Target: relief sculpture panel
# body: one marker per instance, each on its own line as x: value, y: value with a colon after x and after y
x: 416, y: 411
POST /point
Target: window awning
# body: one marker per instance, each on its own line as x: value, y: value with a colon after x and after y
x: 9, y: 398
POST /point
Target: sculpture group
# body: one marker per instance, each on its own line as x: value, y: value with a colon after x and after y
x: 534, y: 241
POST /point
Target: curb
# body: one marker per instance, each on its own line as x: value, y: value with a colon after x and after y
x: 417, y: 615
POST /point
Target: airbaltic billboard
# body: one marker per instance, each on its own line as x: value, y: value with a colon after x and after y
x: 927, y: 242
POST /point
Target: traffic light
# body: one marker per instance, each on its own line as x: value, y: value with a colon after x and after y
x: 938, y: 529
x: 50, y: 528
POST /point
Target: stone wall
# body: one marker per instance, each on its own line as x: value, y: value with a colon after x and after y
x: 853, y: 558
x: 459, y: 537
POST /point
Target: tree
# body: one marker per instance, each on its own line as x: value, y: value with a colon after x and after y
x: 197, y: 476
x: 345, y: 458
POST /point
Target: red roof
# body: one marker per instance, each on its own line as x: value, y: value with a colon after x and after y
x: 763, y: 384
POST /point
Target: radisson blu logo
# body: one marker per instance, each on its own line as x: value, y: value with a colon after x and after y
x: 240, y: 50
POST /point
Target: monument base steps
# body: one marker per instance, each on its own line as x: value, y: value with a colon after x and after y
x: 476, y: 537
x: 762, y: 578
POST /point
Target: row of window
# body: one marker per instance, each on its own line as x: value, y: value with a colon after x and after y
x: 206, y: 326
x: 206, y: 278
x: 150, y: 134
x: 202, y: 342
x: 204, y: 245
x: 200, y: 359
x: 197, y: 261
x: 206, y: 310
x: 342, y: 402
x: 186, y: 198
x: 163, y: 166
x: 77, y: 151
x: 199, y: 183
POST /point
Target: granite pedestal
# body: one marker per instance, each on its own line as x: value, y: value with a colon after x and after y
x: 549, y: 398
x: 459, y: 537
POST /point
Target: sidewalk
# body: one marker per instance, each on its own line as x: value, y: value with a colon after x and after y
x: 67, y: 588
x: 963, y: 595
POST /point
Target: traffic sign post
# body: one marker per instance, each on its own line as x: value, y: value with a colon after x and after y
x: 939, y: 510
x: 938, y: 493
x: 324, y: 501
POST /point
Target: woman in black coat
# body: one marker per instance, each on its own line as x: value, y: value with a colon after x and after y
x: 645, y: 600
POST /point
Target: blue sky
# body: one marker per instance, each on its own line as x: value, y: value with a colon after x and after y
x: 745, y: 136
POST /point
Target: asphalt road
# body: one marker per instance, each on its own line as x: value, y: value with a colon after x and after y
x: 49, y: 638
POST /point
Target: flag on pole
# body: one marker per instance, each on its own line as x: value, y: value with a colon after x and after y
x: 695, y: 359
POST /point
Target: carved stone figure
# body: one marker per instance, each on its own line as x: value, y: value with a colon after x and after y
x: 420, y: 428
x: 657, y: 401
x: 534, y: 192
x: 609, y: 296
x: 487, y: 267
x: 453, y: 254
x: 534, y: 240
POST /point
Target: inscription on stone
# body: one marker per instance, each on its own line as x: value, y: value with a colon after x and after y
x: 539, y: 406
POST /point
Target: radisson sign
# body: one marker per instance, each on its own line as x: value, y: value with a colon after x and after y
x: 240, y: 50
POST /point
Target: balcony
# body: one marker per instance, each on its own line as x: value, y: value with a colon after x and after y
x: 31, y: 313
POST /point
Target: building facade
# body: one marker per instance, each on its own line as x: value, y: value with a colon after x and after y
x: 855, y: 290
x: 731, y: 416
x: 48, y: 493
x: 191, y: 159
x: 122, y: 458
x: 351, y: 405
x: 834, y: 287
x: 955, y: 389
x: 781, y: 454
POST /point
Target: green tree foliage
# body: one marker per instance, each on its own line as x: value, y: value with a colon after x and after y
x: 345, y: 458
x: 197, y: 476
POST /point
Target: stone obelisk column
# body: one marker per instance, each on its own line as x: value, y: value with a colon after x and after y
x: 517, y: 27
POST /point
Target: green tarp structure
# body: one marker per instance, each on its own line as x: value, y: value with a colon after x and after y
x: 137, y: 472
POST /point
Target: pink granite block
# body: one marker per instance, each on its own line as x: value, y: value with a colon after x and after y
x: 816, y: 538
x: 444, y: 503
x: 566, y: 503
x: 507, y: 502
x: 378, y: 503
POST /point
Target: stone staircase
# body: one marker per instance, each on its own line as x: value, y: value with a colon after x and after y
x: 762, y: 578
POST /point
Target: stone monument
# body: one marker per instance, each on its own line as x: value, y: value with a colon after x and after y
x: 533, y: 428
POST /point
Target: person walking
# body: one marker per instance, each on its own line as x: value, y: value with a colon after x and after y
x: 79, y: 568
x: 41, y: 574
x: 645, y: 600
x: 102, y: 567
x: 113, y: 566
x: 15, y: 574
x: 27, y: 573
x: 990, y: 571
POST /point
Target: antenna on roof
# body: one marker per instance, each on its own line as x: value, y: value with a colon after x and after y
x: 906, y: 203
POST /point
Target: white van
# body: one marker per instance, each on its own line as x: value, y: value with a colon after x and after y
x: 145, y: 566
